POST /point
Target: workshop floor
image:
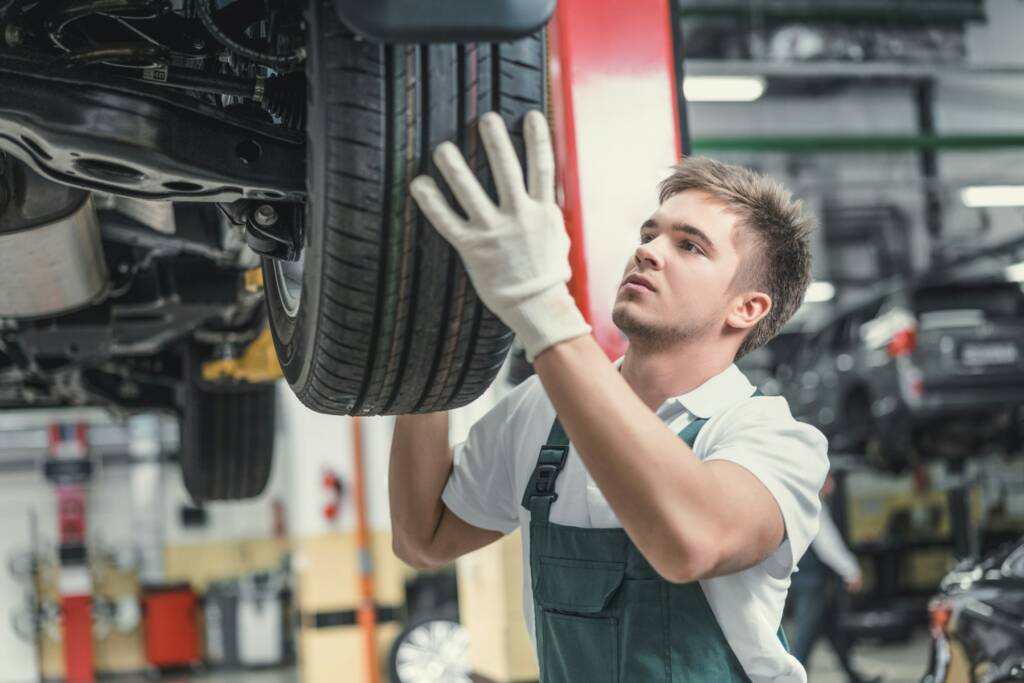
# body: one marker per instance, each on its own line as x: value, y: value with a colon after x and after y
x: 267, y: 676
x: 896, y: 663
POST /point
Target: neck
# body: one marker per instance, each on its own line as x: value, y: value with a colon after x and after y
x: 657, y: 374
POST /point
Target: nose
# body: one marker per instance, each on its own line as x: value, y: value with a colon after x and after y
x: 649, y: 255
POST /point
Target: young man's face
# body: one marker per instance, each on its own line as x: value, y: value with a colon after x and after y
x: 677, y: 284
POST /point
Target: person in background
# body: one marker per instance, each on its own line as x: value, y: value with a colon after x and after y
x: 815, y: 592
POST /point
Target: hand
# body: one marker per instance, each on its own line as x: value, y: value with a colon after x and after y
x: 855, y: 585
x: 516, y: 253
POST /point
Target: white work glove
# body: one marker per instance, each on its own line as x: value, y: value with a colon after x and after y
x: 516, y: 253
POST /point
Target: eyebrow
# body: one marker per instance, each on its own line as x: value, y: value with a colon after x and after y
x: 685, y: 228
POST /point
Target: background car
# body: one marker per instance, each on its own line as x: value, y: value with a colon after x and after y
x: 761, y: 366
x: 931, y: 368
x: 976, y: 621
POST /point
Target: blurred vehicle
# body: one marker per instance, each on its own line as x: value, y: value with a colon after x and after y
x: 977, y: 621
x: 927, y: 369
x: 761, y: 366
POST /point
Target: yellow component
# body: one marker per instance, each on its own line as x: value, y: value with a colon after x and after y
x: 254, y: 280
x: 257, y: 364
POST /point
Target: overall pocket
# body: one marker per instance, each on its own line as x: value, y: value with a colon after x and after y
x: 578, y: 637
x: 575, y: 649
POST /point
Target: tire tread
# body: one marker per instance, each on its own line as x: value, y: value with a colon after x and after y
x: 400, y: 328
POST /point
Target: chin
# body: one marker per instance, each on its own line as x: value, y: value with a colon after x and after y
x: 626, y: 319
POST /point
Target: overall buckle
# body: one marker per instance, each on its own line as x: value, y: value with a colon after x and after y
x: 542, y: 480
x: 545, y: 482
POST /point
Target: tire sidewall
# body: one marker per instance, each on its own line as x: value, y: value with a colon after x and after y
x: 295, y: 337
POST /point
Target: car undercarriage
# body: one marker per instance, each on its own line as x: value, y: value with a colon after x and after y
x: 185, y: 183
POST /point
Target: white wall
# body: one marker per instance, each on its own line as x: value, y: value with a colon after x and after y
x: 27, y: 495
x: 311, y: 443
x: 20, y: 663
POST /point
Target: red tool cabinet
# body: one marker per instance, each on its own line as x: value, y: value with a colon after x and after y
x: 172, y: 627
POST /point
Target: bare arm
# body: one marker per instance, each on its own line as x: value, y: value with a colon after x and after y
x: 425, y: 533
x: 689, y: 519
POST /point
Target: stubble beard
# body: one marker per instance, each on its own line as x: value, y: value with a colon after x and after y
x: 653, y: 337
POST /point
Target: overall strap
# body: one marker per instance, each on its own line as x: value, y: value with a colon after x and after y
x: 540, y: 491
x: 690, y: 431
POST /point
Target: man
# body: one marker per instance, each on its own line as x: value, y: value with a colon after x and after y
x: 659, y: 546
x: 815, y: 593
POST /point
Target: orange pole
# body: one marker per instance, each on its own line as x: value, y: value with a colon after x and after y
x: 366, y: 615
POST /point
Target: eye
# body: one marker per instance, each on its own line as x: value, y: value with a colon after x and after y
x: 645, y: 237
x: 691, y: 247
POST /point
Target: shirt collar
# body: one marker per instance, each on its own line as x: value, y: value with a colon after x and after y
x: 716, y: 394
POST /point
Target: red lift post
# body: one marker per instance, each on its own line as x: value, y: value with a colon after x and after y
x: 615, y: 114
x: 70, y: 469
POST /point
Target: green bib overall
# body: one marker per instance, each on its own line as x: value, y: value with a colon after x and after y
x: 602, y: 614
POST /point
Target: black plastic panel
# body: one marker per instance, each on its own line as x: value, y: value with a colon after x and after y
x: 444, y: 21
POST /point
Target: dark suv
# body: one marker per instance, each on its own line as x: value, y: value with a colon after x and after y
x: 932, y: 368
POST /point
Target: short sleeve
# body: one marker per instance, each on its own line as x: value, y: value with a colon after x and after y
x: 789, y: 457
x: 481, y: 488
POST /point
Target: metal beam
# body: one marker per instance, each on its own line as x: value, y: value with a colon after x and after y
x: 789, y: 70
x: 906, y: 12
x: 869, y: 144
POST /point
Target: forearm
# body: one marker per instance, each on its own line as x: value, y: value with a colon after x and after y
x: 657, y: 487
x: 420, y: 464
x: 830, y: 548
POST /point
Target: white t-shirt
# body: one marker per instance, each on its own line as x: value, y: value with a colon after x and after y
x: 492, y: 467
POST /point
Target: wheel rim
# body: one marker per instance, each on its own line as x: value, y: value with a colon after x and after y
x: 434, y: 652
x: 288, y: 278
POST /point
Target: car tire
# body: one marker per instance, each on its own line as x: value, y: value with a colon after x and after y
x: 381, y: 317
x: 227, y: 440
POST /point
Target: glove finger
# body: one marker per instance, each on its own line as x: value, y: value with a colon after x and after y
x: 508, y: 174
x: 540, y: 159
x: 436, y: 208
x: 464, y: 185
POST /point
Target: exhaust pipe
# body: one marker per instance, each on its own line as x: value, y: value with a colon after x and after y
x: 51, y: 255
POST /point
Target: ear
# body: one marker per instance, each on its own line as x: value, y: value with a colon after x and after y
x: 747, y: 310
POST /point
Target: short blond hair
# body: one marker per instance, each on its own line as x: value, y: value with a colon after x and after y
x: 778, y: 224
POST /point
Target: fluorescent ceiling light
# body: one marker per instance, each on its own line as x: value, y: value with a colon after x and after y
x: 723, y: 88
x: 993, y: 195
x: 1015, y: 272
x: 819, y: 292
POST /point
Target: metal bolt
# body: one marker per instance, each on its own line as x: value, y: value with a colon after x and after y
x: 128, y: 389
x: 265, y: 215
x: 198, y: 44
x: 260, y: 89
x: 13, y: 35
x: 248, y: 151
x: 225, y: 351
